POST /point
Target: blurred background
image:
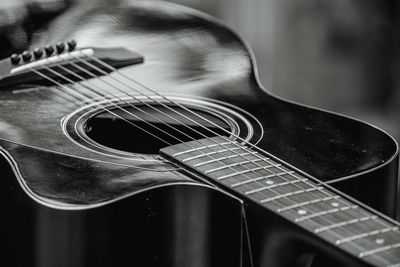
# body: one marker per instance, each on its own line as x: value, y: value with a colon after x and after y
x: 338, y: 55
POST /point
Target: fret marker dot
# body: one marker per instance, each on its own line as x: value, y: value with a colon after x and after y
x: 335, y: 204
x: 380, y: 241
x: 269, y: 182
x: 302, y: 212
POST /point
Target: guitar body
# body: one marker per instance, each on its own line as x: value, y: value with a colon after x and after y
x: 68, y: 201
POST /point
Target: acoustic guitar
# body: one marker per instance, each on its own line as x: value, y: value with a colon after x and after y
x: 139, y: 135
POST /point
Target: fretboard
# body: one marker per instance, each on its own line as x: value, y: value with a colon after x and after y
x: 281, y: 189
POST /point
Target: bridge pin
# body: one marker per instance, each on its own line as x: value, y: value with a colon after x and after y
x: 71, y: 45
x: 15, y: 59
x: 26, y: 56
x: 38, y: 53
x: 60, y: 47
x: 49, y: 50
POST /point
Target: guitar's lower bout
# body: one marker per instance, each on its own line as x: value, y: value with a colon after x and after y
x: 172, y: 225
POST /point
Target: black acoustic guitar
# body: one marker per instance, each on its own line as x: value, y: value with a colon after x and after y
x: 140, y: 136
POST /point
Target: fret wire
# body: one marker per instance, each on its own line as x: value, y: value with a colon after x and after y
x: 252, y: 170
x: 230, y: 165
x: 292, y: 174
x: 243, y: 172
x: 261, y: 178
x: 378, y: 250
x: 363, y: 250
x: 273, y: 186
x: 295, y: 176
x: 278, y: 193
x: 291, y: 194
x: 336, y: 225
x: 274, y: 165
x: 210, y: 153
x: 255, y: 169
x: 229, y: 141
x: 222, y: 158
x: 362, y: 247
x: 324, y: 213
x: 298, y: 205
x: 203, y: 147
x: 266, y: 160
x: 364, y: 212
x: 373, y: 218
x: 240, y: 172
x: 370, y: 217
x: 208, y: 146
x: 263, y: 201
x: 356, y: 237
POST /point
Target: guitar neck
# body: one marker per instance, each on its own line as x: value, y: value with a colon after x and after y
x: 294, y: 196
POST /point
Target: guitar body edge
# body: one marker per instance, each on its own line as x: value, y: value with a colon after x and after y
x: 177, y: 224
x: 174, y: 221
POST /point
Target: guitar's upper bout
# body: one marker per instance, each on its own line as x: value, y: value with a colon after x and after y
x: 184, y: 50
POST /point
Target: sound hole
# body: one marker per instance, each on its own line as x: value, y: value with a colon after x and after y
x: 138, y: 135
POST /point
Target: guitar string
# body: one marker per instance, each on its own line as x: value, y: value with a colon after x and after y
x: 117, y: 106
x: 156, y: 109
x: 44, y: 94
x: 192, y: 138
x: 57, y: 92
x: 103, y: 96
x: 179, y: 105
x: 142, y: 94
x: 334, y: 232
x: 380, y: 222
x: 68, y: 80
x: 93, y: 102
x: 188, y: 118
x: 128, y: 103
x: 136, y: 82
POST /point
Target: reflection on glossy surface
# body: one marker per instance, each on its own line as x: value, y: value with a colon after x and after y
x: 170, y: 226
x: 67, y: 202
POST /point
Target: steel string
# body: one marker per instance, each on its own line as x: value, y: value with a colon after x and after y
x: 183, y: 107
x: 206, y: 128
x: 248, y: 161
